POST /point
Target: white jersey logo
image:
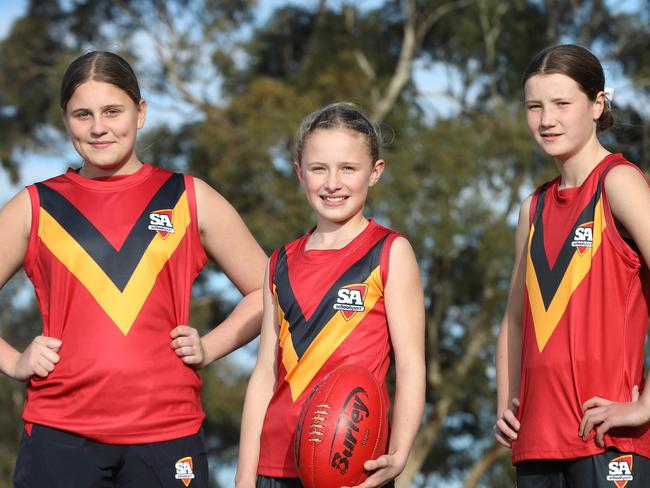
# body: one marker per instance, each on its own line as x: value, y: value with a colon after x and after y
x: 162, y: 222
x: 350, y: 299
x: 583, y: 237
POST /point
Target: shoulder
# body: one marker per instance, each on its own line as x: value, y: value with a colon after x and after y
x: 619, y: 176
x: 401, y: 251
x: 15, y: 215
x: 207, y: 197
x: 627, y: 190
x: 20, y: 201
x: 524, y: 208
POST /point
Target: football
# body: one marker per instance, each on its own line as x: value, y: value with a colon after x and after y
x: 342, y: 424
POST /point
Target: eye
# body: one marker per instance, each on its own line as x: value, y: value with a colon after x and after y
x: 112, y: 112
x: 82, y: 115
x: 563, y: 104
x: 317, y: 169
x: 348, y: 169
x: 533, y: 106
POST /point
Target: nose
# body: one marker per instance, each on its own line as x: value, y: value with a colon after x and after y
x: 97, y: 128
x: 332, y: 183
x: 547, y: 118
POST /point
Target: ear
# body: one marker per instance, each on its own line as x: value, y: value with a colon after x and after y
x: 598, y: 105
x: 377, y: 170
x: 142, y: 113
x: 298, y: 169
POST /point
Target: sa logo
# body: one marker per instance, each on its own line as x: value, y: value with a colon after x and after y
x: 349, y: 299
x: 620, y: 470
x: 583, y: 237
x: 184, y: 470
x: 162, y: 222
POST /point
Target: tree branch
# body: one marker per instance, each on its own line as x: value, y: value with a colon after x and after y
x: 482, y: 464
x: 168, y: 52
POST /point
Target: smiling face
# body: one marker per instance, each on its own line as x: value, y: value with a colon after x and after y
x: 560, y: 116
x: 336, y: 171
x: 102, y: 123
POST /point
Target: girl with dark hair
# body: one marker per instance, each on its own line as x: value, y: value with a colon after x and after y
x: 305, y: 332
x: 571, y: 401
x: 112, y: 249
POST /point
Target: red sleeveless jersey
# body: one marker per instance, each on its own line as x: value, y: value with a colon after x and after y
x: 112, y: 262
x: 585, y: 321
x: 331, y: 312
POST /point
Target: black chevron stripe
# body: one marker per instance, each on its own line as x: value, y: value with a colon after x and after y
x: 549, y: 278
x: 303, y: 331
x: 118, y: 265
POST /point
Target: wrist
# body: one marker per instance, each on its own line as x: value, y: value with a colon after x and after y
x: 10, y: 365
x: 243, y: 481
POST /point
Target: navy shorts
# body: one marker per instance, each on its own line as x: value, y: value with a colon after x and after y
x: 52, y: 458
x: 611, y: 469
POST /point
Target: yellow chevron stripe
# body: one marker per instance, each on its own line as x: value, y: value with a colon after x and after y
x: 300, y: 373
x: 545, y: 321
x: 121, y: 306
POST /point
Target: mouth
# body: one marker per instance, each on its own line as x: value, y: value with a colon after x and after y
x: 548, y: 136
x: 333, y: 199
x: 100, y: 144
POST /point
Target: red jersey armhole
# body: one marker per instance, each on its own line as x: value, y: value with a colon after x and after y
x: 384, y: 260
x: 194, y: 215
x: 617, y: 239
x: 272, y: 262
x: 30, y: 255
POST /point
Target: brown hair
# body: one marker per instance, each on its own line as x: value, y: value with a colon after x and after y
x: 581, y: 66
x: 341, y: 115
x: 102, y: 66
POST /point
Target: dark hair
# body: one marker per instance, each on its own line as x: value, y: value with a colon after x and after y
x: 581, y: 66
x: 99, y: 66
x: 341, y: 115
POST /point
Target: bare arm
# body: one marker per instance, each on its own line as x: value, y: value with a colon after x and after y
x: 41, y: 356
x: 508, y: 360
x: 229, y: 243
x: 258, y: 394
x: 404, y: 301
x: 629, y: 199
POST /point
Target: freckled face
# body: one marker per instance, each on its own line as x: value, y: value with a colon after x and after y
x: 336, y: 172
x: 102, y: 123
x: 560, y: 116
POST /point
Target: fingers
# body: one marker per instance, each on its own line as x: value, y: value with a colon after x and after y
x: 374, y: 464
x: 600, y: 433
x: 183, y: 331
x: 595, y: 402
x: 591, y: 418
x: 383, y: 470
x: 50, y: 342
x: 39, y: 359
x: 506, y: 427
x: 515, y: 405
x: 635, y: 393
x: 501, y: 438
x: 187, y: 345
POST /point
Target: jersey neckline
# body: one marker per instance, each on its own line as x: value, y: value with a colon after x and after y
x: 325, y: 255
x: 566, y: 196
x: 111, y: 183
